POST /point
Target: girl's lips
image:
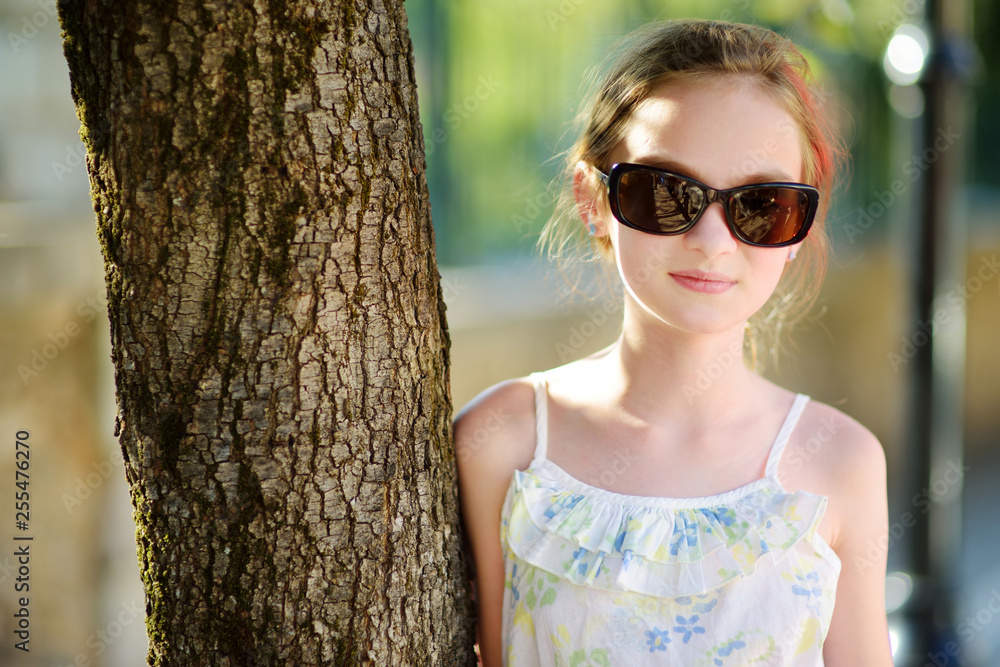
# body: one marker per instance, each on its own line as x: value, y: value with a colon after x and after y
x: 703, y: 281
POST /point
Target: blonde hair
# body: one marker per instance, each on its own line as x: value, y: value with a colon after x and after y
x: 697, y: 51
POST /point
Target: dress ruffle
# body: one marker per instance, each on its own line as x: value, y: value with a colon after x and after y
x: 659, y: 547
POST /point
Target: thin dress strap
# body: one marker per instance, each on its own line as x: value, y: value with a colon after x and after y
x: 541, y: 416
x: 784, y: 433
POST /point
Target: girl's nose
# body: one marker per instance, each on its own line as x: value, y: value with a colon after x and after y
x: 711, y: 233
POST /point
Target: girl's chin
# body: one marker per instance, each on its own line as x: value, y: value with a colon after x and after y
x: 693, y: 321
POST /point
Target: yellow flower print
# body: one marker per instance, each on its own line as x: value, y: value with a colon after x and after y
x: 811, y: 635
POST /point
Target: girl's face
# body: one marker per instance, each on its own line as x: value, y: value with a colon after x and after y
x: 724, y: 133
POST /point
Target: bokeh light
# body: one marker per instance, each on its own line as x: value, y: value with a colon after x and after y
x: 906, y: 55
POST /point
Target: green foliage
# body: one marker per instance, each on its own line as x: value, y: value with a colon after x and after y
x: 986, y: 145
x: 501, y: 83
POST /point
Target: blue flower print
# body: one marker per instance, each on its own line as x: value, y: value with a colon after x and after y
x: 727, y: 649
x: 687, y: 534
x: 620, y: 540
x: 688, y: 627
x: 722, y: 515
x: 657, y: 639
x: 705, y: 607
x: 515, y: 594
x: 583, y: 561
x: 565, y: 501
x: 700, y: 607
x: 808, y: 590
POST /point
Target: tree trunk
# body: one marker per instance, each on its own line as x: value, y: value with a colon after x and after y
x: 278, y: 332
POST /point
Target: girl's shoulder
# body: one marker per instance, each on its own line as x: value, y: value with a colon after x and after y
x: 826, y: 445
x: 495, y: 431
x: 831, y: 444
x: 831, y: 454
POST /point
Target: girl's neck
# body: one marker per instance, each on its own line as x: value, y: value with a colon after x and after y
x: 701, y: 374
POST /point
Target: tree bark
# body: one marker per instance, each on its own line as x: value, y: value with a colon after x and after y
x: 278, y: 331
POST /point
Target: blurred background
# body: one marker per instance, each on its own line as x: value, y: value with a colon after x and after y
x: 500, y: 85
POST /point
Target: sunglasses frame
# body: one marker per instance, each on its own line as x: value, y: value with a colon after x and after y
x: 613, y: 180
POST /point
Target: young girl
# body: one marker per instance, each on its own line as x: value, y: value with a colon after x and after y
x: 654, y: 503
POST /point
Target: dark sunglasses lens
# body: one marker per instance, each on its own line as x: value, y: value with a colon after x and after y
x: 658, y: 202
x: 769, y: 215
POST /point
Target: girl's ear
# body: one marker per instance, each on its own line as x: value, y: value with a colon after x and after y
x: 588, y: 192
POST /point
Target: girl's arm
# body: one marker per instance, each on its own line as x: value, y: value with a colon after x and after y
x: 859, y: 632
x: 494, y: 435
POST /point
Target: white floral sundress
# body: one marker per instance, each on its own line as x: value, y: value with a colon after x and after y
x: 601, y: 578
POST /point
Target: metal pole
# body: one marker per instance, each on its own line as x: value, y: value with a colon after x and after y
x: 938, y: 334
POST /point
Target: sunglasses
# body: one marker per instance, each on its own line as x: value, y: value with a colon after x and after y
x: 769, y: 215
